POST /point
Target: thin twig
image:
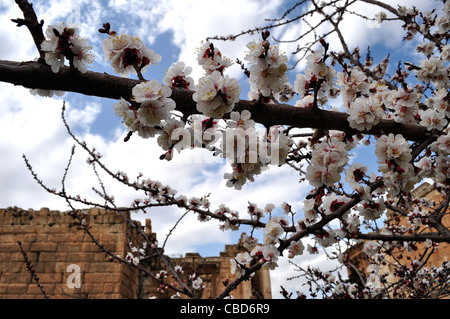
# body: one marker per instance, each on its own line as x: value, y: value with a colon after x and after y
x: 30, y: 268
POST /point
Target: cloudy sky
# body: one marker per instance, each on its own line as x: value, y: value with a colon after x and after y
x: 32, y: 125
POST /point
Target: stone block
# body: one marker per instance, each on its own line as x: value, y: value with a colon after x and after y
x: 79, y: 257
x: 20, y: 288
x: 69, y: 247
x: 100, y: 277
x: 52, y: 257
x: 103, y: 267
x: 50, y: 278
x: 43, y: 247
x: 3, y: 288
x: 111, y: 288
x: 89, y: 247
x: 44, y: 211
x: 17, y: 267
x: 28, y: 238
x: 18, y: 257
x: 107, y: 237
x: 12, y: 247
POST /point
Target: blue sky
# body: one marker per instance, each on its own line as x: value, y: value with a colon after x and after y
x: 32, y: 125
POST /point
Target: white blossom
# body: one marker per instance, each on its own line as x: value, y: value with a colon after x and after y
x: 393, y: 148
x: 272, y: 232
x: 295, y: 248
x: 442, y: 144
x: 267, y: 79
x: 364, y: 113
x: 354, y: 175
x: 172, y: 135
x: 155, y: 100
x: 239, y: 263
x: 433, y: 70
x: 216, y: 95
x: 242, y: 120
x: 178, y: 76
x: 63, y: 42
x: 327, y: 162
x: 211, y: 59
x: 380, y: 16
x: 432, y: 119
x: 125, y: 52
x: 371, y: 248
x: 372, y: 209
x: 197, y: 283
x: 404, y: 103
x: 352, y: 83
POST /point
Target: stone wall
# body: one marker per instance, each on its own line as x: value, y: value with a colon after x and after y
x: 53, y: 242
x: 215, y: 271
x: 441, y: 254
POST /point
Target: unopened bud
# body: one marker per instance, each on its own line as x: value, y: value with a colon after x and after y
x: 69, y: 31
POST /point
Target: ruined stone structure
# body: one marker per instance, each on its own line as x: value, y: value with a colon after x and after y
x: 440, y: 255
x: 55, y: 246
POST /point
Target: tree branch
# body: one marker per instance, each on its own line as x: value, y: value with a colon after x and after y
x: 37, y: 75
x: 32, y: 23
x: 409, y: 238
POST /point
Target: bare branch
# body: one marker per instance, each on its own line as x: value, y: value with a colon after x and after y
x: 30, y: 268
x: 32, y: 24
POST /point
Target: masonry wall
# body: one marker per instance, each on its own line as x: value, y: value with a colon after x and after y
x: 52, y: 243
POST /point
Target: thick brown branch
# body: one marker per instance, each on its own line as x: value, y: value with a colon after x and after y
x: 408, y: 238
x: 36, y: 75
x: 32, y: 23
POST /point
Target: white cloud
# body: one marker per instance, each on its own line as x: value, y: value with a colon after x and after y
x: 16, y: 41
x: 83, y: 117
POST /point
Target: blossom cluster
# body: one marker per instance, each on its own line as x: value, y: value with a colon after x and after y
x: 327, y: 163
x: 250, y: 152
x: 421, y: 278
x: 152, y: 105
x: 62, y: 42
x: 136, y: 254
x: 127, y: 53
x: 215, y: 94
x: 318, y: 79
x: 394, y: 156
x: 268, y: 71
